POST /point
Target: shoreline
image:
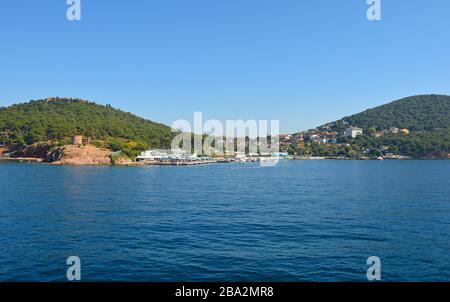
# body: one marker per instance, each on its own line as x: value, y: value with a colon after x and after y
x: 32, y: 160
x: 22, y: 159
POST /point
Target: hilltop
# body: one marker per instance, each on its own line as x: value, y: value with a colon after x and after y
x: 34, y: 128
x: 422, y: 113
x: 417, y: 126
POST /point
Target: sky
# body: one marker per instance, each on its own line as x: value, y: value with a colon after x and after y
x: 303, y: 62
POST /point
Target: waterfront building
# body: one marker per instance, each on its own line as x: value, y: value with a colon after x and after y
x: 164, y: 154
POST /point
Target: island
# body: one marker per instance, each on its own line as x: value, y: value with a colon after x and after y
x: 66, y: 131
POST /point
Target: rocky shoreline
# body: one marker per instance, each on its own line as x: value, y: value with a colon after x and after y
x: 70, y: 155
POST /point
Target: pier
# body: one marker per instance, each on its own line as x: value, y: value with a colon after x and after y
x: 182, y: 163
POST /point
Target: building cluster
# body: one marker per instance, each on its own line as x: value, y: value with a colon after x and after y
x: 325, y: 135
x: 392, y: 130
x: 180, y: 156
x: 322, y: 136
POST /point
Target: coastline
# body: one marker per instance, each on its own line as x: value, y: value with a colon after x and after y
x: 90, y: 155
x: 32, y: 160
x: 22, y: 159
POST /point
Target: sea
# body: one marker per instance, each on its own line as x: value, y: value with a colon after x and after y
x: 298, y: 221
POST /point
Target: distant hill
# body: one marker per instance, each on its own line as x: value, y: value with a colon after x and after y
x: 59, y: 119
x: 426, y: 118
x: 417, y: 113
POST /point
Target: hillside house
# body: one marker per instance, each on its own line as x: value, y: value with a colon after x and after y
x: 353, y: 132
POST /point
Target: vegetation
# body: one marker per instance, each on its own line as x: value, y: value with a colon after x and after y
x: 425, y: 113
x: 426, y: 117
x: 39, y: 126
x: 59, y: 119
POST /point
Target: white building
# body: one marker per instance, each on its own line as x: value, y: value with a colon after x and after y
x: 161, y: 154
x: 353, y: 132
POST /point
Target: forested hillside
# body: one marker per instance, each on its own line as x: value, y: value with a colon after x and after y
x: 417, y: 126
x: 59, y: 119
x: 417, y: 113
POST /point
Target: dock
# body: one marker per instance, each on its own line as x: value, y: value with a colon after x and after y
x: 183, y: 163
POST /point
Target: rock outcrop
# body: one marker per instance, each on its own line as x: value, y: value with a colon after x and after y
x: 80, y: 156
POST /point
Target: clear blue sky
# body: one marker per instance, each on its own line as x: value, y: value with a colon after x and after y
x: 302, y: 62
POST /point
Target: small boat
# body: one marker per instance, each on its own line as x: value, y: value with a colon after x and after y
x: 269, y: 161
x: 242, y: 160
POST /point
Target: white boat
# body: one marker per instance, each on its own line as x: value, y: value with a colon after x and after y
x: 242, y: 160
x: 269, y: 161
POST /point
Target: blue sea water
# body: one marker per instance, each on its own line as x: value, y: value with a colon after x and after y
x: 298, y: 221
